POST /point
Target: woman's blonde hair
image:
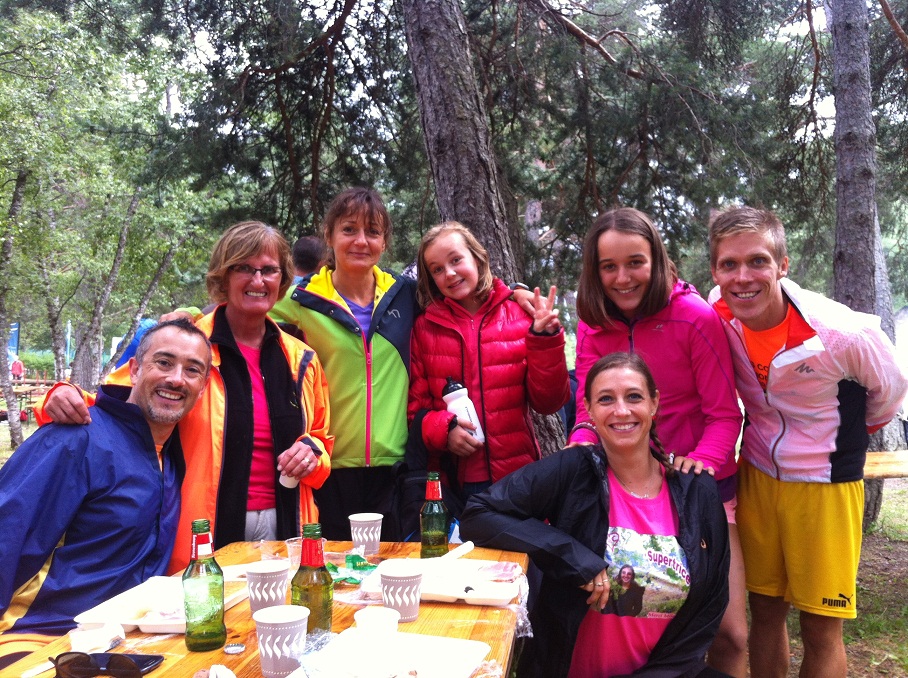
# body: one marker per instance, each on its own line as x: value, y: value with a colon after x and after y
x: 243, y: 241
x: 593, y: 305
x: 426, y: 289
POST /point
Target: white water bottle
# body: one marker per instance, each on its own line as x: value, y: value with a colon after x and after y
x: 455, y: 396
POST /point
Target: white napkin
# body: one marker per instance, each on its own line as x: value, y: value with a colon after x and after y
x: 98, y: 639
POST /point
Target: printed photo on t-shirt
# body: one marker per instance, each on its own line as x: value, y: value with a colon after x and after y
x: 649, y: 575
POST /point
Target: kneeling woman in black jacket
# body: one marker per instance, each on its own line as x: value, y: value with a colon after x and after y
x: 586, y: 509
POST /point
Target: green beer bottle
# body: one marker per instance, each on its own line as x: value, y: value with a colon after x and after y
x: 433, y: 520
x: 312, y: 585
x: 203, y: 594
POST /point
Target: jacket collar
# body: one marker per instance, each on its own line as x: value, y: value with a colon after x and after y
x: 322, y: 284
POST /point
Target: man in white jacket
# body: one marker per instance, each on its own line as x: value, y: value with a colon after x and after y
x: 816, y: 379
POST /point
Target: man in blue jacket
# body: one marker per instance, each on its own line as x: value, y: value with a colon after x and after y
x: 87, y: 512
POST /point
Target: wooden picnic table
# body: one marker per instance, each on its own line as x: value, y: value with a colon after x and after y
x: 493, y: 625
x: 886, y: 464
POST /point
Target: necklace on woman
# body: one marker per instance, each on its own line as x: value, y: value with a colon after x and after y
x: 645, y: 495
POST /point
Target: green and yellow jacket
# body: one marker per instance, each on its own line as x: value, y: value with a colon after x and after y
x: 368, y: 368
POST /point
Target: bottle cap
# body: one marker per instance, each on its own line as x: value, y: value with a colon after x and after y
x: 451, y: 386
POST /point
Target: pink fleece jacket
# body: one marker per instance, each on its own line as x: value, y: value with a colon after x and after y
x: 687, y: 351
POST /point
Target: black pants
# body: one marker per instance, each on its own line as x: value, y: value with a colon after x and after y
x: 355, y: 490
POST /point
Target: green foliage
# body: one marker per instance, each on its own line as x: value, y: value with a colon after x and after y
x: 82, y: 120
x: 38, y: 362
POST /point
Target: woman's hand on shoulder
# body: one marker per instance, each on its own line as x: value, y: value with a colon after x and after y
x: 686, y: 465
x: 66, y: 406
x: 598, y: 588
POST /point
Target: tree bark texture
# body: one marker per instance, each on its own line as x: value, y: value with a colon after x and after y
x: 859, y: 266
x: 87, y: 360
x: 54, y: 306
x: 6, y: 257
x: 468, y: 184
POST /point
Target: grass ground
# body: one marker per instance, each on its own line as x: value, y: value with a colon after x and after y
x: 877, y: 641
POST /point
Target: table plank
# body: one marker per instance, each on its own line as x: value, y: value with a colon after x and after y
x: 886, y: 464
x: 495, y: 626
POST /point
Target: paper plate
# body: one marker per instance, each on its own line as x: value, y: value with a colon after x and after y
x: 355, y: 654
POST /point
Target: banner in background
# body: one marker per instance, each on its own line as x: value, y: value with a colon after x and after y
x: 13, y: 347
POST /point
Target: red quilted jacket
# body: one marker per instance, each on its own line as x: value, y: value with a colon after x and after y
x: 504, y: 366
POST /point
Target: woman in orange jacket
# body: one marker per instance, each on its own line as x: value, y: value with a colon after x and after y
x: 245, y: 437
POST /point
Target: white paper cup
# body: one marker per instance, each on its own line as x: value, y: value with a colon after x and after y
x: 401, y: 586
x: 266, y: 581
x: 294, y: 551
x: 281, y: 631
x: 376, y: 620
x: 366, y: 531
x: 288, y: 481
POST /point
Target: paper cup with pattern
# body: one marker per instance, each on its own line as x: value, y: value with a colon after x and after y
x: 281, y: 631
x: 267, y: 583
x: 401, y: 584
x: 366, y: 531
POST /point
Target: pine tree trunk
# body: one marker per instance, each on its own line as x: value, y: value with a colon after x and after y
x: 469, y: 187
x: 859, y: 267
x: 468, y: 184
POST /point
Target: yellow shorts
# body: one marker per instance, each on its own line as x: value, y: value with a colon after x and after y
x: 801, y: 541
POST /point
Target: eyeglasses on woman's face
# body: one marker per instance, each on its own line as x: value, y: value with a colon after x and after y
x: 247, y: 271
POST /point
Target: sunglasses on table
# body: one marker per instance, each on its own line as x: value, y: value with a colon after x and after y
x: 82, y: 665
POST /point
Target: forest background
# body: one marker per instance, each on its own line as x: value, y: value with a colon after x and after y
x: 132, y: 133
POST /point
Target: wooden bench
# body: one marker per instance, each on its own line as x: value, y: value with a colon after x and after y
x: 886, y: 464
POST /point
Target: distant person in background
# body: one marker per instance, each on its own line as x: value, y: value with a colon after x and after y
x: 17, y: 369
x: 308, y: 254
x: 145, y: 325
x: 87, y: 512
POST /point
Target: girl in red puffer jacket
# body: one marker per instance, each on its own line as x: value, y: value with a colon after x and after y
x: 473, y: 332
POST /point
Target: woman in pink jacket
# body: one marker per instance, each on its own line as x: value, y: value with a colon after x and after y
x: 474, y: 333
x: 630, y: 299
